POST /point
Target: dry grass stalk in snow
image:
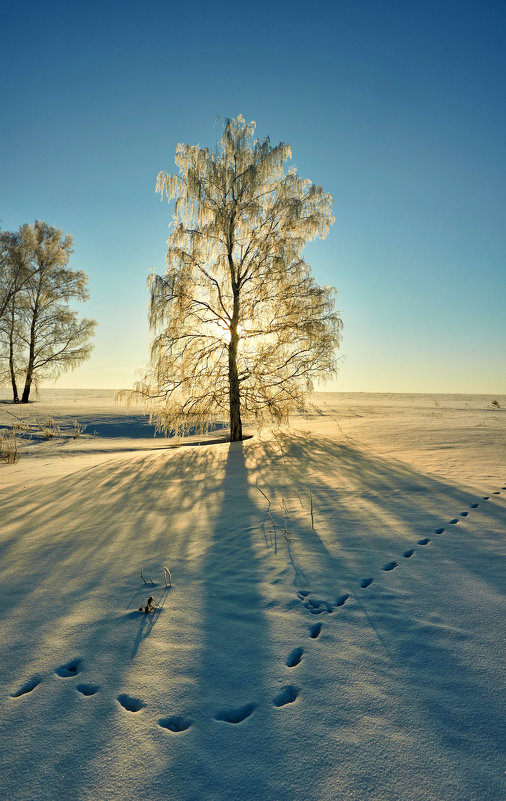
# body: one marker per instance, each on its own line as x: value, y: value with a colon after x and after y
x: 77, y: 429
x: 21, y: 427
x: 8, y: 446
x: 144, y: 580
x: 268, y: 512
x: 286, y: 531
x: 50, y: 429
x: 150, y: 606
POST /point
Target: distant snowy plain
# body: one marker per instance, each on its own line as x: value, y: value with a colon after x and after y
x: 335, y: 625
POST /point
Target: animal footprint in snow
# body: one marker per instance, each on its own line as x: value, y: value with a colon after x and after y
x: 464, y: 514
x: 315, y: 630
x: 87, y: 689
x: 176, y: 723
x: 366, y: 582
x: 294, y: 658
x: 408, y: 554
x: 486, y: 498
x: 452, y: 522
x: 438, y: 530
x: 425, y: 541
x: 312, y: 605
x: 129, y: 703
x: 389, y: 566
x: 27, y: 687
x: 342, y: 599
x: 474, y: 505
x: 315, y: 607
x: 235, y: 715
x: 72, y: 668
x: 287, y: 695
x: 496, y: 492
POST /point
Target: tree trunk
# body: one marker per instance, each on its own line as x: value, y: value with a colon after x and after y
x: 27, y: 387
x: 233, y: 379
x: 29, y: 369
x: 15, y: 396
x: 12, y: 371
x: 31, y: 350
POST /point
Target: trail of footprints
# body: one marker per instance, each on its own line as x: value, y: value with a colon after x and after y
x: 318, y: 607
x: 285, y: 696
x: 175, y: 723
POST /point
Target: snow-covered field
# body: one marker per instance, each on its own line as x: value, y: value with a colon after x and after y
x: 356, y: 655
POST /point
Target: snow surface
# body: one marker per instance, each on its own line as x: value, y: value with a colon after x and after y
x: 358, y: 658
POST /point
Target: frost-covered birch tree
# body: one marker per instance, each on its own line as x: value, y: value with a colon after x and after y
x: 240, y: 327
x: 41, y: 336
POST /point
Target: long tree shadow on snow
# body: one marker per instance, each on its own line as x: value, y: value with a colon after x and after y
x: 234, y: 678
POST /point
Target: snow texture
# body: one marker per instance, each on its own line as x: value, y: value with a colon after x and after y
x: 347, y: 645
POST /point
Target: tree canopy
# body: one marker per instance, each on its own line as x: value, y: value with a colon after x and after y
x: 240, y: 327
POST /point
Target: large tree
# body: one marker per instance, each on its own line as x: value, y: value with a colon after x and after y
x: 41, y: 335
x: 241, y: 328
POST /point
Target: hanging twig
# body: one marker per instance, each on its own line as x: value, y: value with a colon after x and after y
x: 166, y: 572
x: 312, y: 518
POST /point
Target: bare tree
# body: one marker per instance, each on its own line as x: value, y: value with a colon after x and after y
x: 240, y: 326
x: 42, y: 336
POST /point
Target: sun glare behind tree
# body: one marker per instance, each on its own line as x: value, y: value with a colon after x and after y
x: 241, y: 330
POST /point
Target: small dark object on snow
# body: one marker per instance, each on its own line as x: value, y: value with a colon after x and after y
x: 150, y: 607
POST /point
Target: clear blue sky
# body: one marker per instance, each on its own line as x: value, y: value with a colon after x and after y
x: 396, y: 108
